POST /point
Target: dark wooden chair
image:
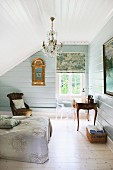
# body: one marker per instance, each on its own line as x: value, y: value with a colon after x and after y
x: 22, y: 111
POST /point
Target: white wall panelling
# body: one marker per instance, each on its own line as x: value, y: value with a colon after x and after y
x: 96, y: 78
x: 19, y: 79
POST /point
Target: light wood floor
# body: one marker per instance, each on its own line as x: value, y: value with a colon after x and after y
x: 69, y: 150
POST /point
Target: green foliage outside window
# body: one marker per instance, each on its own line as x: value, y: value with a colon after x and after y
x: 75, y: 83
x: 70, y: 83
x: 64, y: 83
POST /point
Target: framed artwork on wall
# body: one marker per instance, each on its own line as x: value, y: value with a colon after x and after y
x: 38, y: 72
x: 108, y: 66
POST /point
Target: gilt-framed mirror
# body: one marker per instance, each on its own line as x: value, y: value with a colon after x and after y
x: 38, y: 72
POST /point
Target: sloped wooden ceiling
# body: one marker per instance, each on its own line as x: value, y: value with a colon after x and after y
x: 24, y: 25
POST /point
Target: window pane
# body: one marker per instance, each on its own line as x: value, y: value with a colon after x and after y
x: 64, y: 83
x: 76, y: 83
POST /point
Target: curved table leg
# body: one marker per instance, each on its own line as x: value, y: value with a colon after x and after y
x: 95, y: 116
x: 88, y: 115
x: 78, y: 119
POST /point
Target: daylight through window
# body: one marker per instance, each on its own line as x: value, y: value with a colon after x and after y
x: 70, y: 83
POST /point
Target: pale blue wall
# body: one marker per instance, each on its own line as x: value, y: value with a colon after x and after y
x: 19, y: 79
x: 96, y: 78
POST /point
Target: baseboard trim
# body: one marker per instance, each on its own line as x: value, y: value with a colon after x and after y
x: 110, y: 143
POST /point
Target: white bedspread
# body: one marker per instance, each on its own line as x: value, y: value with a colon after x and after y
x: 26, y: 142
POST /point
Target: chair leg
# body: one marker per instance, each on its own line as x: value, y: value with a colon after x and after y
x: 74, y: 115
x: 61, y: 113
x: 67, y: 117
x: 56, y: 112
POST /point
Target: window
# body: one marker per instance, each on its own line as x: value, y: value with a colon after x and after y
x: 70, y: 83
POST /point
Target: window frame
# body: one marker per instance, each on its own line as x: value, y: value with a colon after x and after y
x: 70, y: 84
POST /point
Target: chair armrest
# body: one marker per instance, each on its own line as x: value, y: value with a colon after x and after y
x: 12, y: 105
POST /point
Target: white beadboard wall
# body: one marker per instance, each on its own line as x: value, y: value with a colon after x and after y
x: 96, y: 78
x: 19, y: 79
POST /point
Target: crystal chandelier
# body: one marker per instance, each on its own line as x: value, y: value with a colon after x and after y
x: 51, y: 48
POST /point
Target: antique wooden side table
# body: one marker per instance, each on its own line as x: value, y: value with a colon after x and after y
x: 85, y: 106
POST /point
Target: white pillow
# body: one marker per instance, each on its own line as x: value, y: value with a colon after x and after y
x: 19, y: 103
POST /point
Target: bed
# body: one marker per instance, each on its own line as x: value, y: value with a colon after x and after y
x: 28, y: 141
